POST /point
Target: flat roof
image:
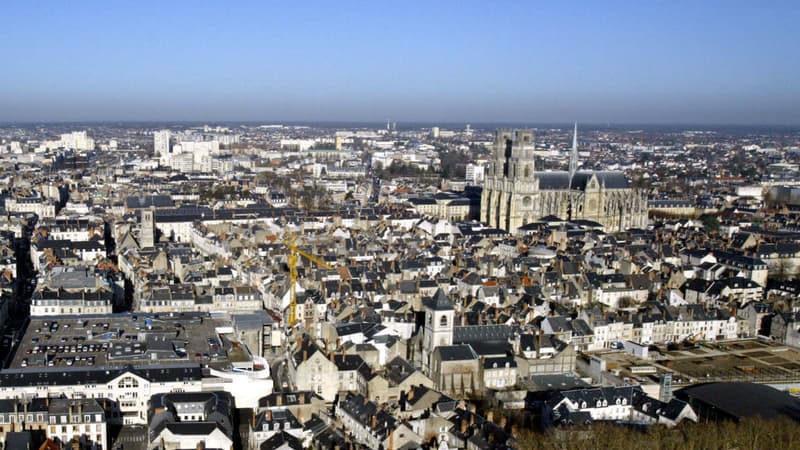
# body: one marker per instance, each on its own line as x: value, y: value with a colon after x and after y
x: 740, y: 399
x: 120, y: 340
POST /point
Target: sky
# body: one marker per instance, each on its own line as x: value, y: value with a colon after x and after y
x: 638, y: 61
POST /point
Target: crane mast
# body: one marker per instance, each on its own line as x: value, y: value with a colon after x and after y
x: 290, y: 241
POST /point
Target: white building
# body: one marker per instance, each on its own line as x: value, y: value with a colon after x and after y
x: 475, y: 173
x: 161, y: 145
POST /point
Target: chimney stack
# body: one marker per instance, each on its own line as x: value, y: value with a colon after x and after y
x: 463, y: 426
x: 305, y: 355
x: 279, y: 399
x: 490, y: 416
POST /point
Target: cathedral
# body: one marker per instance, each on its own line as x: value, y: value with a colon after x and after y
x: 515, y: 194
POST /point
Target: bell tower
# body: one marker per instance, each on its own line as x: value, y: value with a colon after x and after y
x: 147, y: 234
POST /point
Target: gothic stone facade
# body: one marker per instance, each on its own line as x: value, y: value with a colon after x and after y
x: 514, y: 194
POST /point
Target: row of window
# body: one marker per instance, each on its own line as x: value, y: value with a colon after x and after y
x: 53, y: 419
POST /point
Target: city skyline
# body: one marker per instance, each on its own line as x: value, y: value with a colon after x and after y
x: 617, y: 62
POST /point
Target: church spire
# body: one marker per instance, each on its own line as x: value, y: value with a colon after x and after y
x: 573, y: 157
x: 573, y: 167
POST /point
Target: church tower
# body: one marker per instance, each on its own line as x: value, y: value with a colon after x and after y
x: 147, y: 235
x: 438, y: 331
x: 507, y: 189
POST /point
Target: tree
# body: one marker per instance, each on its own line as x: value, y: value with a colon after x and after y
x: 710, y: 223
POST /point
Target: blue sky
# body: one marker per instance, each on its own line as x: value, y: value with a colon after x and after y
x: 635, y: 61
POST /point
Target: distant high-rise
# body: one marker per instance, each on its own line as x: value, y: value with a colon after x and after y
x: 435, y: 132
x: 79, y: 140
x: 161, y: 144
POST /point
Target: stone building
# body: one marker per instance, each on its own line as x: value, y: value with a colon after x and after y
x: 515, y: 194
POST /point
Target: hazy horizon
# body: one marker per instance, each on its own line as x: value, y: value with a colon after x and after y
x: 714, y: 63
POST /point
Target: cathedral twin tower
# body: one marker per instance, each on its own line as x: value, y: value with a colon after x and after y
x: 515, y: 194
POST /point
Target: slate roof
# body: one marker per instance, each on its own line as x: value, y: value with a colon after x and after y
x: 482, y: 333
x: 81, y: 376
x: 279, y: 439
x: 559, y: 180
x: 456, y: 353
x: 439, y: 301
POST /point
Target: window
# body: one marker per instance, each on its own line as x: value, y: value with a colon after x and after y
x: 443, y: 321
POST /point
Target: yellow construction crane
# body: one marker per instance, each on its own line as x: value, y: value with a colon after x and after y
x: 290, y: 241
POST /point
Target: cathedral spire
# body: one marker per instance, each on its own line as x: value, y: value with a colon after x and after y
x: 573, y: 157
x: 573, y: 167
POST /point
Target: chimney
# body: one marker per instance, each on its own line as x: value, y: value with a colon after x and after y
x: 472, y: 418
x: 279, y: 399
x: 410, y: 394
x: 269, y: 414
x: 302, y: 399
x: 503, y: 422
x: 200, y: 446
x: 305, y: 355
x: 391, y: 440
x: 490, y: 416
x: 539, y: 342
x: 374, y: 422
x: 463, y: 426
